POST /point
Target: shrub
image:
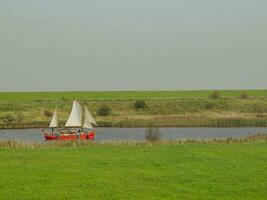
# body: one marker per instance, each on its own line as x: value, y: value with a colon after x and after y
x: 243, y: 96
x: 152, y: 134
x: 47, y: 113
x: 140, y: 104
x: 104, y: 110
x: 215, y: 95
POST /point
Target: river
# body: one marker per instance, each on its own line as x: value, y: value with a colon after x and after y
x: 130, y: 134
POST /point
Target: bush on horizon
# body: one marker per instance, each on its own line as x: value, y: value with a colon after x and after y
x: 215, y: 95
x: 140, y: 104
x: 47, y: 113
x: 104, y: 110
x: 243, y: 96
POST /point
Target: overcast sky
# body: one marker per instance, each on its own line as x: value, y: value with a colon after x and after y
x: 132, y: 44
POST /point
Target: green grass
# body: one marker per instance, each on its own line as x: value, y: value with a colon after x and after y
x: 18, y: 96
x: 135, y: 171
x: 42, y: 96
x: 164, y: 108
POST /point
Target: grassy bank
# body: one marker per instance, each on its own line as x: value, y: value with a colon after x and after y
x: 135, y: 171
x: 164, y: 108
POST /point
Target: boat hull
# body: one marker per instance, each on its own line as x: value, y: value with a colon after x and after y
x: 70, y: 137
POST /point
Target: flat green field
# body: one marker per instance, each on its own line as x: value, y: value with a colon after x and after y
x: 135, y: 171
x: 33, y: 96
x: 164, y: 108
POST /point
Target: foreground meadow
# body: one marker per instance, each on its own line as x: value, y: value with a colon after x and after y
x: 135, y: 171
x: 163, y: 108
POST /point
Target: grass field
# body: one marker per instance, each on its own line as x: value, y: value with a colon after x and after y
x: 164, y: 108
x: 43, y: 96
x: 135, y: 171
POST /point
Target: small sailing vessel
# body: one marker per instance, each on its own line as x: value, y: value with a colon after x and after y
x: 79, y: 118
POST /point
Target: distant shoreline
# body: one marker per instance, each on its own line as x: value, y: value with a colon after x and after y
x: 230, y: 108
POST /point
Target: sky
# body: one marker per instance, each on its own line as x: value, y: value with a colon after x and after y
x: 90, y: 45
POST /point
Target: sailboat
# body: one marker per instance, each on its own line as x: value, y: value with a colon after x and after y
x: 78, y: 118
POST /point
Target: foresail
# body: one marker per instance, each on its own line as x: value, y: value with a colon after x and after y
x: 54, y: 121
x: 75, y: 118
x: 89, y: 115
x: 87, y: 123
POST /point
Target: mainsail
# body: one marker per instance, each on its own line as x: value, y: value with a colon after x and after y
x: 75, y: 118
x: 54, y: 121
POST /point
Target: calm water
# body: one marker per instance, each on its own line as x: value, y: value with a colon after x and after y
x: 36, y: 135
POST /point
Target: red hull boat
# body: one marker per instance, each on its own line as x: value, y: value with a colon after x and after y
x: 64, y: 137
x: 79, y: 118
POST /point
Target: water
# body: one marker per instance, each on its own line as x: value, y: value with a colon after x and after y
x: 105, y: 134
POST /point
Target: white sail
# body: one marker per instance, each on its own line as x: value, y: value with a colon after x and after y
x: 87, y: 123
x: 90, y: 116
x: 75, y: 118
x: 54, y: 121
